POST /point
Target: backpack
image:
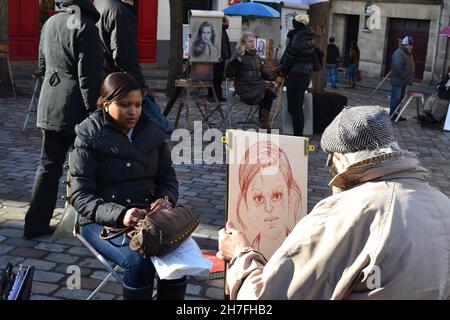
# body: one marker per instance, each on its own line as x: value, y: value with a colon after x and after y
x: 317, y: 60
x: 153, y: 110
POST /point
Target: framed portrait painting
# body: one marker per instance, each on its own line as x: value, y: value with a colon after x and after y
x: 205, y: 35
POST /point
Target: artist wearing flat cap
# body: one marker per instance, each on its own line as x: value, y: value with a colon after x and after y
x: 382, y: 234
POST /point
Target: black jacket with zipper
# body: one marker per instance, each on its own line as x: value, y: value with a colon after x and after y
x: 70, y: 56
x: 297, y: 60
x: 110, y: 173
x: 118, y: 32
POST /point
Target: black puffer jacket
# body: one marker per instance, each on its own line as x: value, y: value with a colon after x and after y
x: 297, y: 60
x: 249, y: 75
x: 109, y: 172
x: 118, y: 32
x: 70, y: 56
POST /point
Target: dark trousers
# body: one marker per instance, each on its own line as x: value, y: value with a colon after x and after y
x: 138, y: 272
x: 266, y: 103
x: 296, y: 88
x: 46, y: 183
x: 218, y: 79
x: 397, y: 95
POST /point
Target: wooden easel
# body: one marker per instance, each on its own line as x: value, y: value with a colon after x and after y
x: 201, y: 76
x: 189, y: 87
x: 4, y: 51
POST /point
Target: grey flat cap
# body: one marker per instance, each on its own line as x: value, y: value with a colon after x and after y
x: 356, y: 129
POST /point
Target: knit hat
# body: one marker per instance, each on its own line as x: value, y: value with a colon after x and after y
x: 408, y: 41
x: 302, y: 18
x: 356, y: 129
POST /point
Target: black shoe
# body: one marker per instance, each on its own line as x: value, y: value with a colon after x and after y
x: 34, y: 234
x: 401, y: 119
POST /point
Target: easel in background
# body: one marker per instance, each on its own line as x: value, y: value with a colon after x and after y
x: 4, y: 52
x: 200, y: 77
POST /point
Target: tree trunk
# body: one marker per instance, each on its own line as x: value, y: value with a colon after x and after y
x: 176, y: 45
x: 6, y: 88
x: 319, y: 24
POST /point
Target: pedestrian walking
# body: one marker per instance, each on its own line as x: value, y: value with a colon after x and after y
x: 332, y: 63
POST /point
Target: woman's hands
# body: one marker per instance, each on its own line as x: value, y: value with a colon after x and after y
x: 133, y: 216
x: 160, y: 204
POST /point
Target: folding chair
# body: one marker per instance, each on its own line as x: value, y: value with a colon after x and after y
x: 231, y: 95
x: 32, y: 108
x: 409, y: 96
x: 71, y: 216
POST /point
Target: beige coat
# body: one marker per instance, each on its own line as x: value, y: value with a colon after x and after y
x: 383, y: 234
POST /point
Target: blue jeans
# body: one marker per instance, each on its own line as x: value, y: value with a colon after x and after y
x: 397, y: 95
x: 351, y: 70
x: 138, y: 272
x: 331, y: 74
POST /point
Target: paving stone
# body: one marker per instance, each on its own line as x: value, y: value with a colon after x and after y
x: 193, y: 289
x: 15, y: 204
x: 63, y: 268
x: 48, y: 276
x: 28, y: 253
x: 43, y: 288
x: 13, y: 224
x: 102, y: 275
x: 113, y: 288
x: 89, y: 283
x: 8, y: 232
x: 20, y: 242
x: 53, y: 247
x: 215, y: 293
x: 80, y: 251
x: 4, y: 249
x: 91, y: 263
x: 75, y: 294
x: 39, y: 264
x: 62, y: 257
x: 14, y: 260
x: 41, y: 297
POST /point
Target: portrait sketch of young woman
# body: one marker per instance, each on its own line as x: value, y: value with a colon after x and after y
x: 268, y: 197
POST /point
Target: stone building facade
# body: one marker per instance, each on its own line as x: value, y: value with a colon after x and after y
x: 377, y: 25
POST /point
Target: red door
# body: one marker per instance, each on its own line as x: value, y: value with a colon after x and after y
x: 147, y: 30
x: 419, y: 30
x: 23, y: 29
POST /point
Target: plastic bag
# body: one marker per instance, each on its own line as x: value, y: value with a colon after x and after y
x: 186, y: 260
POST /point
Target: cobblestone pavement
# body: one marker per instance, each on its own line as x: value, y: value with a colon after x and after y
x: 202, y: 187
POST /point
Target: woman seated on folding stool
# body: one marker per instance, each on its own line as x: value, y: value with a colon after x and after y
x: 249, y: 75
x: 120, y: 159
x: 436, y: 106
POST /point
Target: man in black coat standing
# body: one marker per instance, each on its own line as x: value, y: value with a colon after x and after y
x: 224, y: 56
x: 70, y: 56
x: 118, y: 32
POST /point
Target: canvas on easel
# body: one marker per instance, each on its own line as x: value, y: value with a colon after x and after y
x: 205, y: 35
x: 267, y: 186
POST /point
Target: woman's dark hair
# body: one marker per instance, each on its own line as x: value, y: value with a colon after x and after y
x: 199, y: 46
x: 116, y: 86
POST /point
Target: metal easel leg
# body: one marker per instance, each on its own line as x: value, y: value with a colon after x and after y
x: 31, y: 107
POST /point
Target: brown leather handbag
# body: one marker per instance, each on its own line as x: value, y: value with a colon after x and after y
x: 159, y: 232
